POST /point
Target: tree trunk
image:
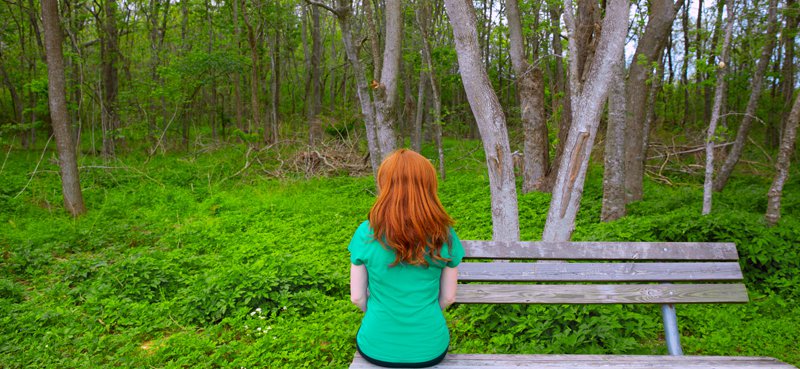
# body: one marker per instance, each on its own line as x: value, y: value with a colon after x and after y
x: 588, y: 97
x: 416, y: 132
x: 344, y: 16
x: 275, y: 90
x: 685, y: 68
x: 314, y: 104
x: 756, y: 85
x: 237, y: 88
x: 386, y: 91
x: 718, y: 95
x: 711, y: 61
x: 490, y: 119
x: 789, y: 34
x: 531, y: 95
x: 782, y: 165
x: 254, y: 86
x: 652, y: 42
x: 67, y: 159
x: 614, y: 158
x: 110, y: 82
x: 423, y: 18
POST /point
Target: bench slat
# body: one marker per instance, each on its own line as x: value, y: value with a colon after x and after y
x: 601, y: 250
x: 601, y: 294
x: 600, y: 272
x: 597, y: 361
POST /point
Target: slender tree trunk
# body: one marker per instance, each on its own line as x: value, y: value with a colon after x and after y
x: 789, y: 34
x: 314, y: 106
x: 756, y: 85
x: 344, y: 16
x: 491, y: 121
x: 386, y: 91
x: 711, y: 61
x: 16, y: 100
x: 67, y: 159
x: 718, y: 95
x: 275, y: 90
x: 782, y: 165
x: 254, y: 85
x: 374, y: 41
x: 563, y: 87
x: 423, y: 19
x: 109, y: 50
x: 614, y: 159
x: 237, y: 76
x: 589, y: 97
x: 685, y: 68
x: 651, y: 44
x: 531, y: 95
x: 416, y: 132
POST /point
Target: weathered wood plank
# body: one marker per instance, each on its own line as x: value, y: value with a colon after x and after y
x: 601, y: 250
x: 597, y: 361
x: 601, y: 294
x: 600, y: 272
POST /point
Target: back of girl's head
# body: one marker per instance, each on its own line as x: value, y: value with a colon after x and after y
x: 408, y: 216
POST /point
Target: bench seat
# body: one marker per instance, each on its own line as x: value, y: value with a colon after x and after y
x: 453, y: 361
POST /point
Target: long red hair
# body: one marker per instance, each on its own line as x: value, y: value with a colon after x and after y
x: 408, y: 216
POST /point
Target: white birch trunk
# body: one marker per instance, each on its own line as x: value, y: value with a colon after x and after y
x: 490, y: 119
x: 712, y: 126
x: 588, y: 98
x: 423, y: 19
x: 782, y: 165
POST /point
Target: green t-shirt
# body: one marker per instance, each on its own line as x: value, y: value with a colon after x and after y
x: 403, y: 322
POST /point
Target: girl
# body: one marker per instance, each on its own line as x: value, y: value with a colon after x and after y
x: 406, y: 253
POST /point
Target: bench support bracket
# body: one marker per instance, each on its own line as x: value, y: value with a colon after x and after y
x: 671, y: 332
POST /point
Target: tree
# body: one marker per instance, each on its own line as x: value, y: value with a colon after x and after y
x: 757, y: 84
x: 715, y: 114
x: 344, y: 15
x: 782, y: 165
x: 648, y: 50
x: 614, y: 160
x: 531, y: 100
x: 67, y: 158
x: 588, y: 93
x: 490, y: 119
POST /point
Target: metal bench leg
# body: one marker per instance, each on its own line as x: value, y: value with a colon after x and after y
x: 671, y: 332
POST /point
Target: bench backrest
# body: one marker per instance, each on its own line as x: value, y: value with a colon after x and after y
x: 601, y: 273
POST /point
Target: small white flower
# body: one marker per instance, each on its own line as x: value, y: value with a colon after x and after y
x: 258, y: 329
x: 246, y: 327
x: 269, y: 327
x: 262, y: 317
x: 274, y: 338
x: 258, y: 310
x: 284, y: 308
x: 253, y: 313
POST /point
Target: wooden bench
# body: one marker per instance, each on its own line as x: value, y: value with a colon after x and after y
x: 602, y: 273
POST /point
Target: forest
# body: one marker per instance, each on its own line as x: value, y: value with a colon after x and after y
x: 180, y: 178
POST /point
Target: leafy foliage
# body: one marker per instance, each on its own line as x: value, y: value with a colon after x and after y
x: 176, y: 265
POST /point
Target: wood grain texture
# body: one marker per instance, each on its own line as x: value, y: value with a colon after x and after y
x: 600, y: 272
x: 601, y: 294
x: 601, y: 250
x: 597, y: 361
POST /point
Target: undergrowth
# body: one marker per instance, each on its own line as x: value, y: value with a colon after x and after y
x: 182, y: 263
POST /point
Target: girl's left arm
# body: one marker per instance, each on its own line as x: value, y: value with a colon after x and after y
x: 358, y: 286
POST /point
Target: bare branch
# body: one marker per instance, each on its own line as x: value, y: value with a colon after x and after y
x: 336, y: 12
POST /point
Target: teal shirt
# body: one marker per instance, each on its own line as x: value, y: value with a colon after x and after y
x: 403, y: 322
